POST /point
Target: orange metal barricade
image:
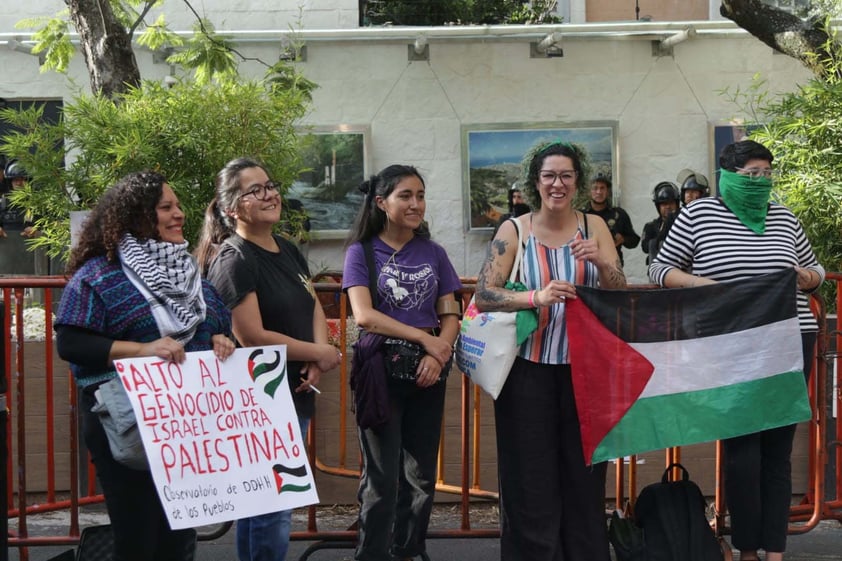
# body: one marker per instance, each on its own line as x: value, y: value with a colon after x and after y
x: 65, y: 486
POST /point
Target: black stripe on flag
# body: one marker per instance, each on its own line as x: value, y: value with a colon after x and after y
x: 299, y: 471
x: 675, y: 314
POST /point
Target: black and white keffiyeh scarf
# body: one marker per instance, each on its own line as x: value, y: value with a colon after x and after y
x: 167, y: 276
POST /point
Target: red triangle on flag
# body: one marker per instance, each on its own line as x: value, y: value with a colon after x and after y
x: 279, y: 481
x: 608, y: 374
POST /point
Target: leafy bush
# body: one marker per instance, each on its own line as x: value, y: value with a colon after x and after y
x: 187, y: 132
x: 443, y: 12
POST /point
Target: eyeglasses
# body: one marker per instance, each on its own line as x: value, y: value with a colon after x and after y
x: 757, y: 173
x: 547, y: 177
x: 260, y: 192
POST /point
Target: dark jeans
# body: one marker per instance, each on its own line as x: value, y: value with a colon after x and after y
x: 398, y: 480
x: 140, y: 527
x: 552, y: 505
x: 758, y: 479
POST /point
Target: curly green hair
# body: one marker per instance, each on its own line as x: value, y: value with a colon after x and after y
x: 533, y: 160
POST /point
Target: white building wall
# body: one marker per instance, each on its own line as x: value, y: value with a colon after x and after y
x: 664, y: 107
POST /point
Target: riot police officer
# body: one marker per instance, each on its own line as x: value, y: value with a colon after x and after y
x: 517, y: 205
x: 617, y: 219
x: 14, y: 226
x: 694, y: 186
x: 666, y: 198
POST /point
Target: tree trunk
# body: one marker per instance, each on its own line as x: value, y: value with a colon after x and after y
x: 107, y: 47
x: 804, y: 40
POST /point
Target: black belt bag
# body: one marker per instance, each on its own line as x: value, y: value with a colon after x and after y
x: 402, y: 357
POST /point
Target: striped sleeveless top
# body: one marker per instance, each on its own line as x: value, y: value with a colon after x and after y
x: 541, y: 264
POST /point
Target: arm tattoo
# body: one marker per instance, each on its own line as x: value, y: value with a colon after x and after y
x: 615, y: 277
x: 490, y: 293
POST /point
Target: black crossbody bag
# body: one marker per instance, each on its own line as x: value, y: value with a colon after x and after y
x: 401, y: 357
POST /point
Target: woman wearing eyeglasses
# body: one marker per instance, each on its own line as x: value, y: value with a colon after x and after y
x: 265, y: 281
x: 737, y: 235
x: 552, y: 505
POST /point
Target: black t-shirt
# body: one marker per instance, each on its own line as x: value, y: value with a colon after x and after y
x: 284, y: 292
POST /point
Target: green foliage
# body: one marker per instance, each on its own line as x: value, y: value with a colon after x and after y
x: 444, y: 12
x: 538, y: 11
x: 187, y: 132
x: 208, y: 54
x: 803, y: 129
x: 400, y: 12
x: 158, y: 36
x: 52, y: 39
x: 284, y: 76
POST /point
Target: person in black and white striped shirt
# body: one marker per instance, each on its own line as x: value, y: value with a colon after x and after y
x: 738, y: 235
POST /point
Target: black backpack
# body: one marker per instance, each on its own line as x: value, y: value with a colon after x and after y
x: 672, y: 516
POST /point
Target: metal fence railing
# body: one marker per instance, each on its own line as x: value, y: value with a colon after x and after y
x: 47, y: 467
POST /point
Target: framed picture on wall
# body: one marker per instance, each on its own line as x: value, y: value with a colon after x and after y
x: 335, y: 162
x: 721, y: 135
x: 492, y: 155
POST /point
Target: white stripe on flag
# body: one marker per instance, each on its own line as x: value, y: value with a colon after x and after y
x: 776, y: 348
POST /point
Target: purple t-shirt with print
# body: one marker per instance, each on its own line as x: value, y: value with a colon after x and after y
x: 409, y: 281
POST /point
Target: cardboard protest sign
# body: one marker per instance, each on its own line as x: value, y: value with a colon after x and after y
x: 222, y: 438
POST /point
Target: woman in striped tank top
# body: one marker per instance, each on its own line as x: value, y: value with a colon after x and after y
x: 552, y: 505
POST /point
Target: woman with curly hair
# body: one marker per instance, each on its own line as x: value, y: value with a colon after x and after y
x: 552, y: 505
x: 135, y: 291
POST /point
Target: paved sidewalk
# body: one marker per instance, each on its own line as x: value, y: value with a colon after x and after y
x: 824, y: 543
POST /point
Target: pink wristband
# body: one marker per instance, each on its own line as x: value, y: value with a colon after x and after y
x: 532, y: 299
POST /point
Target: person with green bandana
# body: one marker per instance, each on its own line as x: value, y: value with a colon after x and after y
x: 741, y: 234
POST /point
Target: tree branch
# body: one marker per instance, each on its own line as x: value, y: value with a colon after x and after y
x: 804, y: 40
x: 148, y: 6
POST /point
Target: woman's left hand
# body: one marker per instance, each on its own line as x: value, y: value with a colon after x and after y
x: 429, y: 372
x: 223, y: 346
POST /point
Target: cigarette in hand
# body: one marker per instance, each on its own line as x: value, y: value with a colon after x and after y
x: 311, y: 386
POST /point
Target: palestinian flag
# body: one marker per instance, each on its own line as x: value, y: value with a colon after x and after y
x: 670, y: 367
x: 295, y: 480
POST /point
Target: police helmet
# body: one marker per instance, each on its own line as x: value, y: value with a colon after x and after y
x: 692, y: 181
x: 14, y: 170
x: 664, y: 192
x: 510, y: 195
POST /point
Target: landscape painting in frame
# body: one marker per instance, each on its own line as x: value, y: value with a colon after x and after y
x: 334, y: 165
x: 721, y: 136
x: 492, y: 156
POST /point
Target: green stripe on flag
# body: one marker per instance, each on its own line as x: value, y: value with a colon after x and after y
x: 711, y: 414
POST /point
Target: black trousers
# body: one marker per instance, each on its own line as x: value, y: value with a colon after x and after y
x: 758, y: 479
x: 398, y: 481
x: 140, y: 526
x: 552, y: 505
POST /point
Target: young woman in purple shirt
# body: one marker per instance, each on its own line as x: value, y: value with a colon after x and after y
x: 408, y: 295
